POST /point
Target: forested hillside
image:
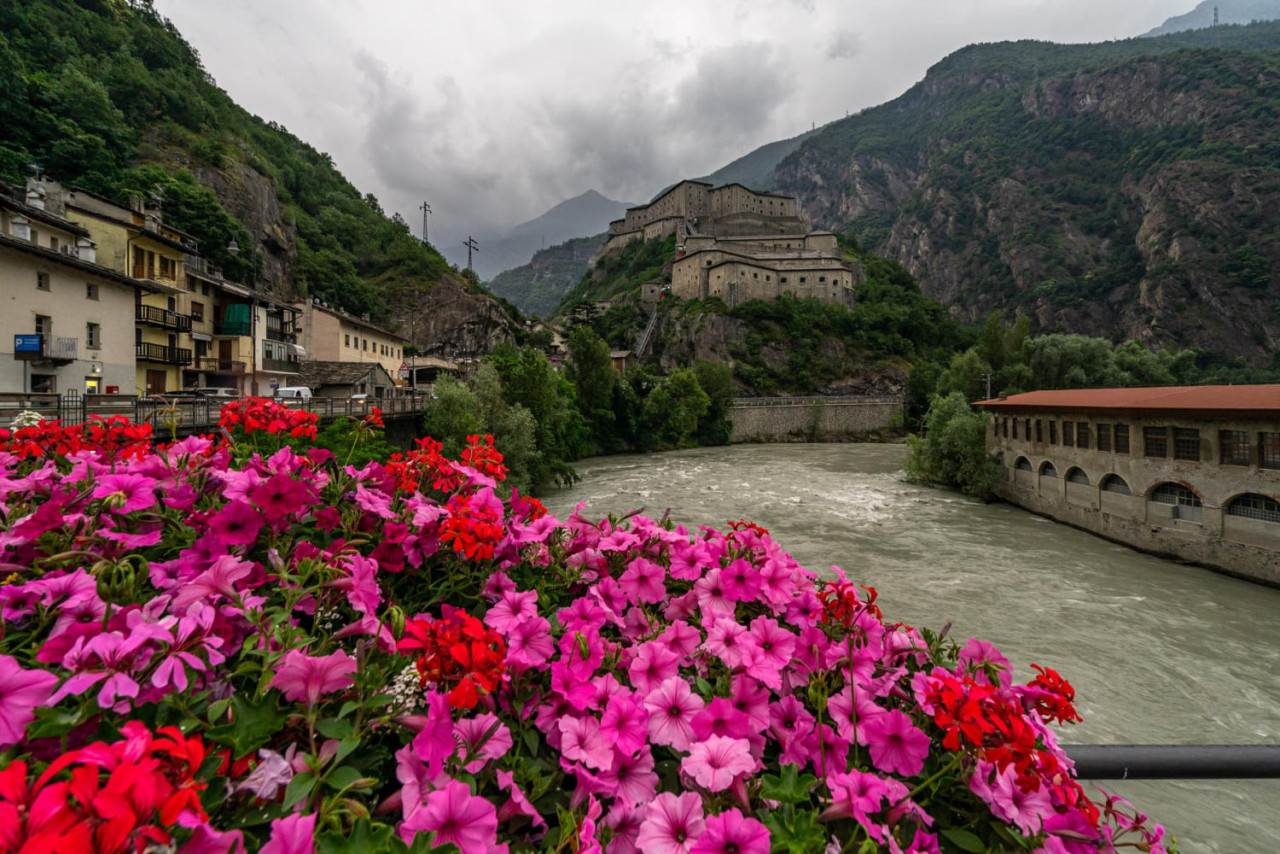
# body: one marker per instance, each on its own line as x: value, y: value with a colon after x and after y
x: 1125, y: 189
x: 107, y: 95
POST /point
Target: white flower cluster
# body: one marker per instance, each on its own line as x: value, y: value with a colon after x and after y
x: 25, y: 418
x: 407, y: 688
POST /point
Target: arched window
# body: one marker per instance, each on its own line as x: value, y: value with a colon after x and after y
x: 1077, y: 475
x: 1023, y: 464
x: 1047, y: 470
x: 1254, y: 506
x: 1176, y: 494
x: 1115, y: 483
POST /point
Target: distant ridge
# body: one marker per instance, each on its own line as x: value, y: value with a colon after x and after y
x: 1229, y: 12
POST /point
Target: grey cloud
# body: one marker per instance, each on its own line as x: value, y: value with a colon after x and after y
x: 844, y: 45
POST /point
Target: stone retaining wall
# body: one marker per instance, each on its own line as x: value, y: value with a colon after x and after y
x: 814, y: 419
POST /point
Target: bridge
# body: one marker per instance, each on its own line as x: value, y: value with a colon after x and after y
x: 184, y: 415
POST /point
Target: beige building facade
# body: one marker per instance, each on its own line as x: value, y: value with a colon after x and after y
x: 697, y: 207
x: 739, y: 269
x: 1192, y: 473
x: 332, y: 335
x: 52, y: 286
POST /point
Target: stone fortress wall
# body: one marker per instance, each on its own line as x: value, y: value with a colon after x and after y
x: 813, y: 418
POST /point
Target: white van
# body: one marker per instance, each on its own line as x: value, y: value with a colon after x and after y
x: 299, y: 394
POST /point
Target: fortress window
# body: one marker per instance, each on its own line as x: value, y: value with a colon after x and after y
x: 347, y: 340
x: 1155, y: 441
x: 1068, y: 434
x: 1047, y: 469
x: 1077, y: 475
x: 822, y: 278
x: 768, y: 278
x: 1175, y: 494
x: 782, y: 279
x: 1122, y: 438
x: 1104, y: 437
x: 1053, y: 432
x: 1026, y: 428
x: 1253, y: 506
x: 1023, y: 464
x: 1234, y: 447
x: 1039, y: 430
x: 1186, y: 444
x: 1115, y: 483
x: 1269, y: 450
x: 1082, y: 435
x: 802, y: 280
x: 1015, y: 428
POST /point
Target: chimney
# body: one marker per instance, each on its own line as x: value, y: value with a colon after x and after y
x: 1004, y: 395
x: 21, y: 227
x: 86, y: 250
x: 35, y: 198
x: 135, y: 203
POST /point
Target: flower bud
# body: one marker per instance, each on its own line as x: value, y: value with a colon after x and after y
x: 395, y: 621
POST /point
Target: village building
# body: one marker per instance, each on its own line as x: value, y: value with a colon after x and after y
x: 340, y: 380
x: 69, y: 321
x: 1188, y: 472
x: 135, y: 241
x: 699, y: 207
x: 332, y: 335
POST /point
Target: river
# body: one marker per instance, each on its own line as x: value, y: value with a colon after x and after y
x: 1158, y: 652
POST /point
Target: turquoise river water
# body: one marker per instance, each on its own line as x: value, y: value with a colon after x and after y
x: 1159, y: 653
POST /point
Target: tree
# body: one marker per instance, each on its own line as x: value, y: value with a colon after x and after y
x: 591, y: 371
x: 716, y: 379
x: 673, y: 408
x: 953, y: 451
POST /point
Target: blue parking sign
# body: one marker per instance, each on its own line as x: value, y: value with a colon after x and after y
x: 26, y: 344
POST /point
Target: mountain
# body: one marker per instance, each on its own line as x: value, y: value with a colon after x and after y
x: 589, y: 213
x: 756, y: 169
x: 1229, y: 12
x: 1126, y: 190
x: 538, y: 287
x: 106, y: 95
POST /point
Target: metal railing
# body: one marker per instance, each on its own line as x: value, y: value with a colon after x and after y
x: 845, y: 400
x: 61, y: 349
x: 284, y: 366
x: 198, y: 414
x: 1175, y: 761
x: 163, y: 354
x: 232, y: 327
x: 647, y: 335
x: 162, y: 317
x: 215, y: 365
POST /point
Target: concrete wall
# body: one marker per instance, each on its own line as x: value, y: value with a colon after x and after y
x: 1209, y: 535
x: 806, y: 419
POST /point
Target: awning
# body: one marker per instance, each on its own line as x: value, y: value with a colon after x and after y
x: 201, y: 336
x: 297, y: 350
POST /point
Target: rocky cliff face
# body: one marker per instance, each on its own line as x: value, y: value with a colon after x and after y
x: 252, y: 199
x: 448, y: 319
x: 1131, y: 198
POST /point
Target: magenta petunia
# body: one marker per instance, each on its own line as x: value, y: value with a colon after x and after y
x: 293, y: 834
x: 481, y: 740
x: 582, y: 741
x: 724, y: 640
x: 281, y: 497
x: 529, y: 644
x: 643, y: 581
x: 126, y: 493
x: 715, y: 762
x: 720, y: 717
x: 21, y: 692
x: 304, y: 677
x: 741, y: 581
x: 768, y: 651
x: 236, y: 524
x: 654, y: 664
x: 672, y: 706
x: 631, y: 777
x: 456, y: 816
x: 672, y: 824
x: 731, y: 832
x: 511, y: 608
x: 896, y: 744
x: 625, y: 722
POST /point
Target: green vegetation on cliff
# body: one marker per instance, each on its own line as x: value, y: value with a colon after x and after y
x: 107, y: 95
x: 539, y: 286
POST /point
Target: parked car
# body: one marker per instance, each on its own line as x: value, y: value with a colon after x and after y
x: 358, y: 402
x: 219, y: 393
x: 293, y: 395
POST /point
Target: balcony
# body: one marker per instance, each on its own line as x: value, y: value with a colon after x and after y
x: 281, y: 329
x: 165, y: 319
x: 233, y: 328
x: 283, y: 366
x: 60, y: 350
x: 213, y: 365
x: 163, y: 355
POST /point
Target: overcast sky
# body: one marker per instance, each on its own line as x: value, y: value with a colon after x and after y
x: 494, y: 110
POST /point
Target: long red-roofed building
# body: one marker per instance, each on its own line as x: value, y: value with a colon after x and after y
x: 1192, y: 472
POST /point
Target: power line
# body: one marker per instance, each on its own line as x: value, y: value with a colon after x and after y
x: 426, y: 209
x: 472, y: 246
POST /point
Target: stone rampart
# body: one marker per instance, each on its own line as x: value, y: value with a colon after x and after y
x: 773, y: 419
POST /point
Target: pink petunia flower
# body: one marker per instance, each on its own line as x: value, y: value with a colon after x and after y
x: 457, y: 817
x: 724, y: 640
x: 510, y: 609
x: 529, y: 644
x: 236, y: 524
x: 672, y: 824
x: 293, y: 834
x: 752, y: 699
x: 722, y: 718
x: 631, y: 778
x: 126, y: 492
x: 625, y: 821
x: 21, y: 691
x: 1026, y: 810
x: 741, y: 581
x: 220, y: 579
x: 280, y: 496
x: 897, y: 745
x: 517, y: 803
x: 977, y: 655
x: 768, y: 650
x: 671, y: 707
x: 715, y: 762
x: 482, y: 739
x: 304, y: 677
x: 713, y: 598
x: 582, y: 741
x: 625, y: 722
x: 731, y: 832
x: 681, y: 638
x: 856, y: 795
x: 654, y: 664
x: 644, y: 581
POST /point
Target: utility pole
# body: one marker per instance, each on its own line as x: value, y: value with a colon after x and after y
x: 988, y: 386
x: 472, y: 246
x: 1215, y: 17
x: 426, y: 210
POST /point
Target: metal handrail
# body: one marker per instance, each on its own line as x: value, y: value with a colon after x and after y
x: 1175, y: 761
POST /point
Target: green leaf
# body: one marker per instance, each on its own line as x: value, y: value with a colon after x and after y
x: 965, y: 840
x: 790, y: 787
x: 799, y: 837
x: 343, y: 777
x: 331, y: 728
x: 365, y: 838
x: 299, y: 787
x: 251, y: 726
x: 52, y: 723
x: 345, y: 747
x: 217, y: 709
x: 704, y: 687
x: 531, y: 741
x: 347, y: 708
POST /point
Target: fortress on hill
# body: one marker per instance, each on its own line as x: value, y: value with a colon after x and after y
x: 738, y: 244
